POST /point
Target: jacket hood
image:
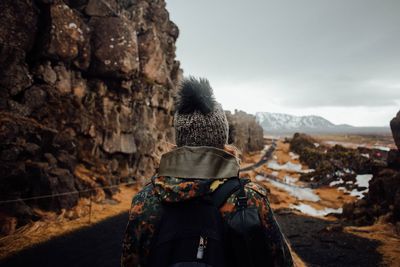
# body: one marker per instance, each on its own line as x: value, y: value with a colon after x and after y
x: 199, y: 163
x: 189, y: 172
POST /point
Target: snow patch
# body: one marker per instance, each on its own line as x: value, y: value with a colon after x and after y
x: 362, y: 180
x: 346, y: 170
x: 365, y: 155
x: 290, y: 180
x: 295, y: 191
x: 288, y: 166
x: 383, y: 148
x: 293, y: 155
x: 274, y: 173
x: 358, y: 194
x: 307, y: 209
x: 339, y: 173
x: 340, y: 181
x: 72, y: 26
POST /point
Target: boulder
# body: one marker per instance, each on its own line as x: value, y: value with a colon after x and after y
x: 393, y: 159
x: 116, y: 52
x: 69, y: 38
x: 395, y: 126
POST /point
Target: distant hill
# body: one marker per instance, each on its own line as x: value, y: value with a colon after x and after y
x: 280, y: 123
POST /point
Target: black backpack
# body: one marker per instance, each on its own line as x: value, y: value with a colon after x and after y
x: 193, y: 233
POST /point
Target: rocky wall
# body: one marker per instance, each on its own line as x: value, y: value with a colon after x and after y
x: 244, y: 131
x: 86, y: 95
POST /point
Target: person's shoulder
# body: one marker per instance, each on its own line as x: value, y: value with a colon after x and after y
x: 145, y: 203
x: 256, y: 189
x: 146, y: 192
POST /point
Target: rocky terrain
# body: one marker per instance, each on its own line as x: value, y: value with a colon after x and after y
x: 86, y: 98
x: 383, y: 198
x: 370, y: 174
x: 308, y: 212
x: 332, y: 162
x: 330, y: 199
x: 310, y: 217
x: 244, y: 131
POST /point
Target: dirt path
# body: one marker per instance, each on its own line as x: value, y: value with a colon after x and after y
x: 98, y: 246
x: 263, y: 159
x: 319, y: 247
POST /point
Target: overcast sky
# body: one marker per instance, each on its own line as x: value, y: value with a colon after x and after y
x: 336, y: 58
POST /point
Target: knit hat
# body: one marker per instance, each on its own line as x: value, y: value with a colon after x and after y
x: 199, y: 119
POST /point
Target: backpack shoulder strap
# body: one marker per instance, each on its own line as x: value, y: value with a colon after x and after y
x: 223, y: 192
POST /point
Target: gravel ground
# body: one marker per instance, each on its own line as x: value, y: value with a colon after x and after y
x: 319, y: 247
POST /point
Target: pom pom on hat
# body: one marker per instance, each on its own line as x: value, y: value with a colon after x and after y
x: 195, y: 95
x: 199, y: 119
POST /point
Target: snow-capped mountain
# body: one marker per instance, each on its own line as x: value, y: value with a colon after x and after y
x: 287, y: 124
x: 275, y: 121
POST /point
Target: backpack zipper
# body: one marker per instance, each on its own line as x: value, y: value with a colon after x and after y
x: 202, y: 246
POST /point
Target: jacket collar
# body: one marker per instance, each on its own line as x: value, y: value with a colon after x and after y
x: 199, y: 162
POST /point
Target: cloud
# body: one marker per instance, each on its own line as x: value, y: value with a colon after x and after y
x: 334, y: 92
x: 340, y: 92
x: 293, y: 54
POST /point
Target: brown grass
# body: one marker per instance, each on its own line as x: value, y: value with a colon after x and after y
x: 386, y: 234
x: 250, y: 158
x: 330, y: 197
x: 367, y: 139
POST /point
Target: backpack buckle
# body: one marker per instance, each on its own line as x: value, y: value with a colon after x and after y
x: 241, y: 201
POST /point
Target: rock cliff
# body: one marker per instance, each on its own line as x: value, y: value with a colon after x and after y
x: 244, y: 131
x: 86, y: 94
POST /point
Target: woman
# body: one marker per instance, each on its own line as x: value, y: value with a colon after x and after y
x: 190, y: 176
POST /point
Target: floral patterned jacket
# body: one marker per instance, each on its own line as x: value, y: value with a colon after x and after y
x: 205, y: 165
